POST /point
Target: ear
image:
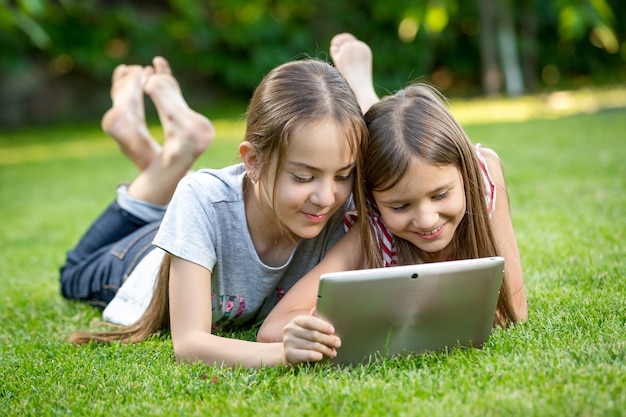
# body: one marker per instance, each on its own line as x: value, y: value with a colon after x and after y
x: 250, y: 159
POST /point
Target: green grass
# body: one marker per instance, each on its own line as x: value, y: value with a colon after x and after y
x: 566, y: 172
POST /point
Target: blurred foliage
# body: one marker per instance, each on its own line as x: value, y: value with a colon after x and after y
x: 228, y: 45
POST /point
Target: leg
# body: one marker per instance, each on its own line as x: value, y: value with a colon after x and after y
x: 125, y: 121
x: 187, y: 135
x: 353, y: 59
x: 119, y: 238
x: 107, y: 253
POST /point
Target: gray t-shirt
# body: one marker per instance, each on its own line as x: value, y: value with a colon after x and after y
x: 205, y: 223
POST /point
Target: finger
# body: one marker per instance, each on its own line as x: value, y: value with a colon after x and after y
x: 312, y: 341
x: 310, y: 329
x: 298, y: 356
x: 309, y: 340
x: 315, y: 323
x: 295, y: 355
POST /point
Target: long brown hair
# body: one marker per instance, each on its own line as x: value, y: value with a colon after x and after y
x: 154, y: 320
x: 289, y: 96
x: 412, y: 123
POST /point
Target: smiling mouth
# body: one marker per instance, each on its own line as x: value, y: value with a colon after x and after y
x: 316, y: 216
x: 430, y: 232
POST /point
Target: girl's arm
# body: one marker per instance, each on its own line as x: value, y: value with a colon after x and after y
x: 191, y: 321
x: 505, y: 236
x: 293, y: 319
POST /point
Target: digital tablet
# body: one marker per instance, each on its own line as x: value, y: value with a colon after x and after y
x: 384, y: 312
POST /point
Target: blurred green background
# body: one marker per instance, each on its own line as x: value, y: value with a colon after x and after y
x: 57, y: 55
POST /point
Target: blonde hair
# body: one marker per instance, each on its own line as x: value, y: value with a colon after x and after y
x: 289, y: 96
x: 412, y: 123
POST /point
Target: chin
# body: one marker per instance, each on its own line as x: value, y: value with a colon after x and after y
x: 308, y: 232
x: 431, y: 249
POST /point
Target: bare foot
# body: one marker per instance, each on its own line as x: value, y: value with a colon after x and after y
x: 187, y: 133
x: 125, y: 121
x: 353, y: 59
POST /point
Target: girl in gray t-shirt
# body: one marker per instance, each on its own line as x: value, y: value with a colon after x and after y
x: 217, y: 249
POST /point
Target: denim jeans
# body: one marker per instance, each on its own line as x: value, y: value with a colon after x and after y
x: 104, y: 257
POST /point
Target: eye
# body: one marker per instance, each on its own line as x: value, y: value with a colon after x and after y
x: 302, y: 179
x: 400, y: 208
x: 344, y: 177
x: 440, y: 196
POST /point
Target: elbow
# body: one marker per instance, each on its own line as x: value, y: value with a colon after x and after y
x: 520, y: 305
x: 515, y: 312
x: 185, y: 349
x: 521, y: 311
x: 181, y: 351
x: 271, y: 331
x: 261, y: 337
x: 268, y: 334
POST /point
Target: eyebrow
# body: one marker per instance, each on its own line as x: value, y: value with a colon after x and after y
x: 312, y: 168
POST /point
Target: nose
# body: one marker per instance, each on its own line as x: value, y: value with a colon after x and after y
x: 425, y: 217
x: 323, y: 194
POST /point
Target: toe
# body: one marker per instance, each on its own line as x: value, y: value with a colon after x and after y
x: 161, y: 65
x: 342, y: 38
x: 119, y: 72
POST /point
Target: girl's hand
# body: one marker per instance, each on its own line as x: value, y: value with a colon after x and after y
x: 308, y: 338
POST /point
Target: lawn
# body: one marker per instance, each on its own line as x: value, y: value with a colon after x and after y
x: 564, y: 156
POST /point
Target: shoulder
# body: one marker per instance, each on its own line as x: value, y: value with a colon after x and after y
x: 488, y: 154
x: 493, y: 162
x: 217, y: 184
x: 229, y: 175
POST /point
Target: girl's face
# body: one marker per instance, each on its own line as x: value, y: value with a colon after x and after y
x: 425, y: 207
x: 315, y: 180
